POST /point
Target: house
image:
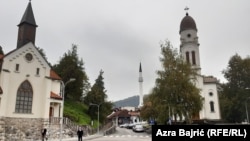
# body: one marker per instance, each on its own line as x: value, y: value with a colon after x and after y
x: 30, y: 91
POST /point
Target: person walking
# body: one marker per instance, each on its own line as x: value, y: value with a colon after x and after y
x: 44, y: 134
x: 80, y: 134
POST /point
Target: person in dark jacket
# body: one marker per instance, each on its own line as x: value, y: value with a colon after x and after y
x: 44, y: 134
x: 80, y: 134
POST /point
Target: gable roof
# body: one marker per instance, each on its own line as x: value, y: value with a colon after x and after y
x: 54, y: 76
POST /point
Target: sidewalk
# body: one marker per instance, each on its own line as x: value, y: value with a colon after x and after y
x: 83, y: 138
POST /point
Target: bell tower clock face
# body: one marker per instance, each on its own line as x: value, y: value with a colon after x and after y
x: 28, y: 57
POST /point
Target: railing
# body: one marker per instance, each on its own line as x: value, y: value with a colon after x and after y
x: 110, y: 130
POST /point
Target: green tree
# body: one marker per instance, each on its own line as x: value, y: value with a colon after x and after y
x: 175, y: 94
x: 97, y: 95
x: 235, y: 92
x: 71, y: 66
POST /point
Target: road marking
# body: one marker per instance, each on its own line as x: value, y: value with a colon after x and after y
x: 129, y: 136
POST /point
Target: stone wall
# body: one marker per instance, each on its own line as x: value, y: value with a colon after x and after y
x: 29, y: 129
x: 2, y: 130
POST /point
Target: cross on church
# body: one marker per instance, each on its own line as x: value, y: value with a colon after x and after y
x: 186, y: 9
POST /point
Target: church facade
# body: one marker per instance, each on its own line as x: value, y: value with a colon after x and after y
x: 30, y: 91
x: 189, y: 49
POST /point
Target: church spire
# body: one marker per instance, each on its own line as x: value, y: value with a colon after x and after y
x: 140, y: 70
x: 27, y: 27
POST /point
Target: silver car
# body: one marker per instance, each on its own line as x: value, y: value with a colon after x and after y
x: 138, y: 128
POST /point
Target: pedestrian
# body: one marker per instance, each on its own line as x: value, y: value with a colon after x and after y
x: 80, y: 134
x: 44, y: 134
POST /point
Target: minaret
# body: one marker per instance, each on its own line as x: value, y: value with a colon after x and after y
x: 140, y: 87
x: 27, y: 28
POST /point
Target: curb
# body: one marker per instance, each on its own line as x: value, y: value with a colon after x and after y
x: 83, y: 138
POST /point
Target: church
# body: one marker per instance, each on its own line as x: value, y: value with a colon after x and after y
x: 30, y: 91
x: 189, y: 49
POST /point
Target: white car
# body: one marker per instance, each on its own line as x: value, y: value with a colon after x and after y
x: 138, y: 128
x: 125, y: 125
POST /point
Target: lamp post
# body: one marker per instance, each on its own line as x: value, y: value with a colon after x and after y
x: 247, y: 110
x: 98, y: 105
x: 63, y: 90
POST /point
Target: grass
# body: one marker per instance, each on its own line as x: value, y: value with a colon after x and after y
x: 77, y: 112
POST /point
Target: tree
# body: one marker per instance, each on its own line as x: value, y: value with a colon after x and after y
x: 175, y: 93
x: 97, y: 95
x: 70, y: 66
x: 235, y: 92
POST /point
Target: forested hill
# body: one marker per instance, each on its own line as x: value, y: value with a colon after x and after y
x: 128, y: 102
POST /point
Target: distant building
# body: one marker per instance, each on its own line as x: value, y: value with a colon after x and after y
x: 189, y: 49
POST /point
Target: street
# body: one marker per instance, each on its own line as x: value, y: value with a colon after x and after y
x: 123, y: 134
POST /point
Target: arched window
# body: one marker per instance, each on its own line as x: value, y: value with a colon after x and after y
x: 211, y: 106
x: 193, y: 58
x: 187, y: 57
x: 24, y: 98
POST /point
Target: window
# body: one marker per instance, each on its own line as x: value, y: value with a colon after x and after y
x: 210, y: 94
x: 17, y: 67
x: 37, y: 71
x: 187, y: 57
x: 24, y: 98
x: 211, y: 106
x: 193, y: 58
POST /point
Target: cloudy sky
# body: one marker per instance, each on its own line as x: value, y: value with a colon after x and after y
x: 116, y: 35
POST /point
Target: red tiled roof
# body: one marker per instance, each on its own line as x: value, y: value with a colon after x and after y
x: 55, y: 96
x: 133, y: 113
x: 120, y: 113
x: 54, y: 75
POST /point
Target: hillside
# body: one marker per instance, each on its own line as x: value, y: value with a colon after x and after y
x: 128, y: 102
x: 77, y: 112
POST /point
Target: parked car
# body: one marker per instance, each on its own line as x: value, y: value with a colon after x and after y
x: 124, y: 125
x: 131, y: 125
x: 138, y: 128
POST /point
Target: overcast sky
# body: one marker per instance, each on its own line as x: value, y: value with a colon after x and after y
x: 116, y: 35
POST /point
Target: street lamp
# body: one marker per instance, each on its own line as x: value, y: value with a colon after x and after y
x: 247, y: 110
x: 98, y: 105
x: 63, y: 90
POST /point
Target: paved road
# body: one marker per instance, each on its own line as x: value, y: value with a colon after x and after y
x: 121, y: 134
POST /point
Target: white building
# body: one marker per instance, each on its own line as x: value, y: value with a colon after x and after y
x: 30, y: 91
x: 189, y: 49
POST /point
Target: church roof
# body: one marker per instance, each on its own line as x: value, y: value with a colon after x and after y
x: 28, y: 16
x: 209, y: 79
x: 54, y: 75
x: 187, y: 23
